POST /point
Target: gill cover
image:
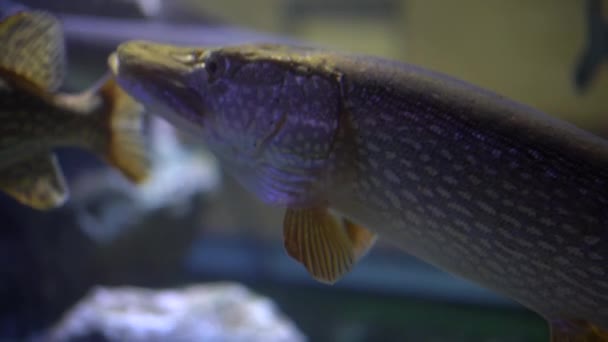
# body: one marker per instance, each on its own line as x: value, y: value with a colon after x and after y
x: 271, y: 120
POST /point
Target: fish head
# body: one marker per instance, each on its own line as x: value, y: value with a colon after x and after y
x: 268, y: 114
x: 156, y: 76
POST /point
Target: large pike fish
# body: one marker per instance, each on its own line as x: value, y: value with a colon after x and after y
x: 354, y: 146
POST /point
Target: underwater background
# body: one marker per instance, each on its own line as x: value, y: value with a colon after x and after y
x: 194, y: 225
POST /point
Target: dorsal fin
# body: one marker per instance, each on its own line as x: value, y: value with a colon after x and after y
x: 33, y: 49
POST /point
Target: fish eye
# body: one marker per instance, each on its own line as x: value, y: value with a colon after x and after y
x: 214, y: 66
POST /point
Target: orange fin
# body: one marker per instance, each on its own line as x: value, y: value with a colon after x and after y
x: 577, y: 331
x: 36, y: 182
x: 319, y: 241
x: 316, y: 239
x: 362, y: 239
x: 125, y: 148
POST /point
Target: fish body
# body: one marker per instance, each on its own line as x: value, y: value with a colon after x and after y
x: 35, y: 117
x: 471, y: 182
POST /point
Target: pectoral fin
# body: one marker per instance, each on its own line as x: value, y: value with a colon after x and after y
x: 362, y: 239
x: 322, y: 244
x: 36, y: 182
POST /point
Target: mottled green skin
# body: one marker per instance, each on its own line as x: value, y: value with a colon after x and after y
x: 475, y: 184
x: 31, y: 125
x: 34, y: 117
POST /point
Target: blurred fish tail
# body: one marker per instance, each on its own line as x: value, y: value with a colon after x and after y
x: 32, y: 62
x: 124, y: 146
x: 33, y: 50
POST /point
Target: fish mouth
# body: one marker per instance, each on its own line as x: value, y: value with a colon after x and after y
x: 144, y: 60
x: 159, y: 76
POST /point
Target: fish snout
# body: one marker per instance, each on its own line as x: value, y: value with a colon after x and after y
x: 146, y: 60
x: 159, y: 77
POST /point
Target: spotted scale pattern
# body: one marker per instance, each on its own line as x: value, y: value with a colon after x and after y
x: 272, y: 128
x: 30, y: 126
x: 472, y: 183
x: 487, y: 203
x: 32, y: 67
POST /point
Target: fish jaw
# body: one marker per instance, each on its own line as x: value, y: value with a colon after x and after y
x: 158, y: 77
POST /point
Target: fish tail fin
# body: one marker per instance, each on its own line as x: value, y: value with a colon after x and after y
x: 577, y: 331
x: 124, y: 146
x: 33, y: 49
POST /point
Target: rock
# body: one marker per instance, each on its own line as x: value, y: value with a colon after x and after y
x: 214, y: 312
